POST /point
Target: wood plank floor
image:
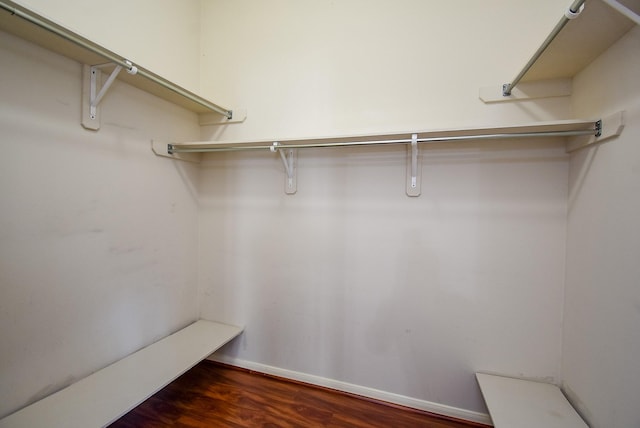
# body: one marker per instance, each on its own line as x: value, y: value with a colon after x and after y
x: 215, y: 395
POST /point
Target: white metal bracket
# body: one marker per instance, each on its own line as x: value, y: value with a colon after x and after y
x: 414, y: 167
x: 289, y: 160
x: 237, y: 116
x: 91, y: 95
x: 160, y: 148
x: 527, y: 91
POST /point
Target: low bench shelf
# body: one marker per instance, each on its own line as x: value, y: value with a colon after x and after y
x: 104, y: 396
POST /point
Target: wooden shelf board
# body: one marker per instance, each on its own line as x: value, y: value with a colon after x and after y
x: 106, y: 395
x: 527, y: 404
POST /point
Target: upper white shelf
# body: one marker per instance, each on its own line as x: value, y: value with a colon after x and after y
x: 570, y: 47
x: 582, y: 40
x: 37, y: 29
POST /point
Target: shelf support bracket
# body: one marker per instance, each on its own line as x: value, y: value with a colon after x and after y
x: 91, y: 95
x: 94, y: 99
x: 289, y: 160
x: 605, y: 129
x: 414, y: 163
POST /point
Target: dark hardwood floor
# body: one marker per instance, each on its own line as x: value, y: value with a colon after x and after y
x: 215, y: 395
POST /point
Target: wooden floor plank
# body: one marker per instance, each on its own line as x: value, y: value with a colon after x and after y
x: 215, y: 395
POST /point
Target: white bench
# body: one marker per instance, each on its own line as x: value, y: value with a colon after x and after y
x: 517, y: 403
x: 106, y: 395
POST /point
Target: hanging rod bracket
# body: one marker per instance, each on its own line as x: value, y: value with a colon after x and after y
x: 96, y: 96
x: 571, y: 14
x: 235, y: 116
x: 414, y: 166
x: 289, y: 158
x: 160, y: 148
x: 605, y: 129
x: 92, y: 94
x: 506, y: 89
x: 546, y: 88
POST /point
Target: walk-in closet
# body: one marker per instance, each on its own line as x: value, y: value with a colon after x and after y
x: 428, y: 203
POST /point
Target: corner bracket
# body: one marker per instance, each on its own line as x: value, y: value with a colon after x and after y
x: 237, y: 116
x: 526, y: 91
x: 605, y: 129
x: 163, y: 149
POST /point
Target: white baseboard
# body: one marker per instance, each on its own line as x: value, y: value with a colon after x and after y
x: 363, y: 391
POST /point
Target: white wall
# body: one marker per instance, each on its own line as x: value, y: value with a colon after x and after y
x: 350, y: 279
x: 160, y: 35
x: 602, y: 309
x: 98, y: 237
x: 309, y: 68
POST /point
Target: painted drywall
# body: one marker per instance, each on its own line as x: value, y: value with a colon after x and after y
x: 98, y: 236
x: 602, y: 306
x: 160, y: 35
x: 352, y: 280
x: 349, y: 279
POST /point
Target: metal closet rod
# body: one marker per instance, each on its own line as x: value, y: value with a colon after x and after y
x: 110, y: 56
x: 596, y: 132
x: 571, y: 13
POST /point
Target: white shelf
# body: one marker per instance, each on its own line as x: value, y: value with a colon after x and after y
x: 527, y: 404
x: 540, y: 127
x: 577, y: 134
x: 582, y: 40
x: 108, y: 394
x: 145, y: 79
